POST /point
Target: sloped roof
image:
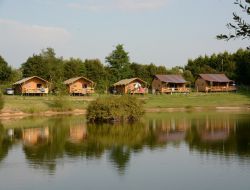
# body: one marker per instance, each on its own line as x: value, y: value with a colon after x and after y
x: 72, y: 80
x: 127, y: 81
x: 215, y: 77
x: 171, y: 78
x: 28, y: 78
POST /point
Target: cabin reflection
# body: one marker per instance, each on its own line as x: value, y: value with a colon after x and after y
x: 35, y: 136
x: 77, y: 134
x: 172, y: 130
x: 215, y: 129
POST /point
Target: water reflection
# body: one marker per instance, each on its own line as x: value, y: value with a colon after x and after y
x: 46, y: 141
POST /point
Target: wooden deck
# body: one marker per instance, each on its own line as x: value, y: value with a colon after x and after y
x: 83, y: 91
x: 35, y: 91
x: 175, y: 90
x: 221, y: 89
x: 140, y: 91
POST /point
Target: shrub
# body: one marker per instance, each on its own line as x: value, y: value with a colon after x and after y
x: 114, y: 108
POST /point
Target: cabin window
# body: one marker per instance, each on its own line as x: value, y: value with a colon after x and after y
x: 84, y: 85
x: 39, y: 85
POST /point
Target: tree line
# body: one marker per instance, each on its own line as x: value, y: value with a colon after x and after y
x: 119, y: 66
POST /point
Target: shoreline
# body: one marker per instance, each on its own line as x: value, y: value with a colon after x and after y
x: 11, y: 114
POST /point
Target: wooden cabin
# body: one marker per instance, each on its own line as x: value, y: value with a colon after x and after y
x: 214, y: 83
x: 131, y: 86
x: 169, y: 84
x: 80, y: 86
x: 31, y: 86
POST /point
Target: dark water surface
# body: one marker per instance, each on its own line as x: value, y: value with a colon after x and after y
x: 164, y: 151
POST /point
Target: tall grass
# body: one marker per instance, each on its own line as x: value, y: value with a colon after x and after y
x: 60, y: 103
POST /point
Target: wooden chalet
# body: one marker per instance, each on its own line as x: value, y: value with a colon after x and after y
x: 214, y: 83
x: 80, y: 86
x: 131, y: 86
x: 169, y: 84
x: 31, y: 86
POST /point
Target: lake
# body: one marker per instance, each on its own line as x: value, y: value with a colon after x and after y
x: 193, y: 150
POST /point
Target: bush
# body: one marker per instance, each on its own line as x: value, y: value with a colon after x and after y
x: 114, y: 108
x: 1, y: 101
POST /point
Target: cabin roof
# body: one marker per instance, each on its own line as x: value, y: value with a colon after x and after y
x: 28, y: 78
x: 127, y: 81
x: 171, y: 78
x: 215, y: 77
x: 72, y: 80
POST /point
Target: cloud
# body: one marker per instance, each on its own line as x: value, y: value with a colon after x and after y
x: 18, y: 39
x: 124, y: 5
x: 14, y: 30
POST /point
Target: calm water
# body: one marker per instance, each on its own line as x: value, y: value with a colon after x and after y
x: 164, y: 151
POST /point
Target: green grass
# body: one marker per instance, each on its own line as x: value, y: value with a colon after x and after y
x: 197, y: 100
x: 35, y: 104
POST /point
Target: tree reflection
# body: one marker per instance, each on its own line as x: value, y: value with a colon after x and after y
x: 120, y: 156
x: 222, y: 136
x: 7, y: 139
x: 49, y: 140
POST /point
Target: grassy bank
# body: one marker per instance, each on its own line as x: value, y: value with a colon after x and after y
x: 31, y: 104
x: 198, y: 100
x: 35, y: 104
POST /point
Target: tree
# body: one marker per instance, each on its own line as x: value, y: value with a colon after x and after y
x: 96, y: 72
x: 45, y: 65
x: 35, y: 66
x: 5, y: 70
x: 118, y: 62
x: 188, y: 76
x: 241, y: 29
x: 73, y: 68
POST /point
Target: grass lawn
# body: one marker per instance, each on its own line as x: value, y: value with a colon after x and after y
x: 34, y: 104
x: 197, y: 100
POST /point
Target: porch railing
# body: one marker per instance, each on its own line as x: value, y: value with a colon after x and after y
x: 83, y: 91
x: 139, y: 91
x: 175, y: 90
x: 36, y: 91
x: 221, y: 88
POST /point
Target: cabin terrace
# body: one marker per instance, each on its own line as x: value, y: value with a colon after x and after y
x: 131, y: 86
x: 80, y: 86
x: 169, y: 84
x: 31, y: 86
x: 214, y: 83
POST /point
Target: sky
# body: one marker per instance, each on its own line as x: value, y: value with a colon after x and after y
x: 163, y: 32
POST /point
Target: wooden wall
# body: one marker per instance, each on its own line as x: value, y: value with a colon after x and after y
x: 79, y: 85
x: 30, y: 85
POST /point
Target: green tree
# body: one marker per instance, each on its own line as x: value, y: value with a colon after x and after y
x: 242, y: 71
x: 5, y: 70
x: 240, y: 28
x: 73, y: 68
x: 35, y: 66
x: 45, y: 65
x: 188, y: 76
x: 118, y: 63
x: 96, y: 72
